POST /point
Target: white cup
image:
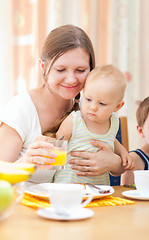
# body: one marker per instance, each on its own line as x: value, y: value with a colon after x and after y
x: 66, y: 197
x: 142, y: 182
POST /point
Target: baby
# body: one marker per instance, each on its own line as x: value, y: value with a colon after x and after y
x: 140, y: 156
x: 102, y: 96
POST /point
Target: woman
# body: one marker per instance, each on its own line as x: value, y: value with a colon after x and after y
x: 66, y: 60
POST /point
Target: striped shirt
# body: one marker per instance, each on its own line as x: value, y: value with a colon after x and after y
x: 80, y: 141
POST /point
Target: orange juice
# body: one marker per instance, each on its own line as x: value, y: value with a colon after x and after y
x: 60, y: 160
x: 60, y: 148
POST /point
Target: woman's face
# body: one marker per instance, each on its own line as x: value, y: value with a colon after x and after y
x: 68, y: 73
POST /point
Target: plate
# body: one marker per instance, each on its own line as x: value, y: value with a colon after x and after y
x: 81, y: 213
x: 41, y: 191
x: 134, y: 195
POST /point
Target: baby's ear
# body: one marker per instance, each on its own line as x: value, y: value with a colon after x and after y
x: 119, y: 106
x: 140, y: 131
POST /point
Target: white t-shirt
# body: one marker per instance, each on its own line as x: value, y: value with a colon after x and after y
x: 21, y: 114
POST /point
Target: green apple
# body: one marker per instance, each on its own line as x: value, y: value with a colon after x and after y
x: 6, y: 195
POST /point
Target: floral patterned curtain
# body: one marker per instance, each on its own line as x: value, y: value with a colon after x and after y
x: 118, y: 29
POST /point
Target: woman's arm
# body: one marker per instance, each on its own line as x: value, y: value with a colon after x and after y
x: 42, y: 147
x: 40, y: 152
x: 10, y: 143
x: 11, y: 146
x: 97, y: 163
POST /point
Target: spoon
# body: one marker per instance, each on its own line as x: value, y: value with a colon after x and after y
x: 102, y: 191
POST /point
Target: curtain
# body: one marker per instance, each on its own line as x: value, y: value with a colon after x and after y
x: 129, y: 51
x: 118, y: 30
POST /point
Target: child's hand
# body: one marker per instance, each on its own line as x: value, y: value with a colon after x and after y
x: 127, y: 161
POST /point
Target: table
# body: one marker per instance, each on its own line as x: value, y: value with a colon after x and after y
x: 109, y: 222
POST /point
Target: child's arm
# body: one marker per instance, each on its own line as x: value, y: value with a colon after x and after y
x: 128, y: 176
x: 127, y: 160
x: 65, y: 128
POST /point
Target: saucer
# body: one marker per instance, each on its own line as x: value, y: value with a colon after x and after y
x: 134, y: 195
x: 81, y: 213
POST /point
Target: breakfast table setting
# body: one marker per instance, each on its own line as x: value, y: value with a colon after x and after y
x: 71, y: 210
x: 119, y: 213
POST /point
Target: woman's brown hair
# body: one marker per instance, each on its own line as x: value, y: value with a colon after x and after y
x: 59, y: 41
x: 63, y: 39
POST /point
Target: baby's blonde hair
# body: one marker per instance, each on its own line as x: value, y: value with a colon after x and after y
x: 112, y: 73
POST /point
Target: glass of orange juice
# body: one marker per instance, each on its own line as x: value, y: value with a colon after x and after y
x: 60, y: 148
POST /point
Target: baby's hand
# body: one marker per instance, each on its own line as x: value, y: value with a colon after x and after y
x: 127, y: 161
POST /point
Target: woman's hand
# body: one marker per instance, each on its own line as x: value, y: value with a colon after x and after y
x: 39, y: 152
x: 97, y: 163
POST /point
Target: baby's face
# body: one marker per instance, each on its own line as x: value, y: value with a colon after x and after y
x: 145, y: 129
x: 99, y: 101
